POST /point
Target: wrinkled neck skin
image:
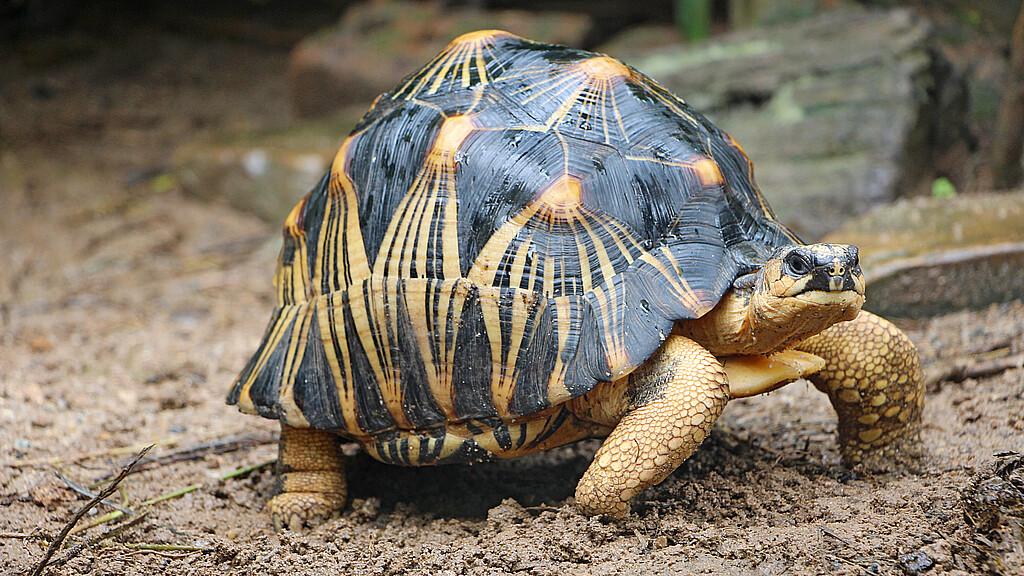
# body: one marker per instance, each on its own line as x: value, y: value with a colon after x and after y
x: 755, y: 321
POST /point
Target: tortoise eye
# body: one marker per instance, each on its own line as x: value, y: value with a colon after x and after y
x: 797, y: 264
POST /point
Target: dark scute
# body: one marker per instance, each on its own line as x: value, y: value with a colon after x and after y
x: 554, y: 423
x: 371, y: 412
x: 468, y: 453
x: 266, y: 387
x: 642, y: 326
x: 471, y: 363
x: 536, y: 364
x: 498, y: 176
x: 590, y: 363
x: 418, y: 404
x: 313, y: 217
x: 236, y: 389
x: 314, y: 388
x: 502, y: 436
x: 385, y: 161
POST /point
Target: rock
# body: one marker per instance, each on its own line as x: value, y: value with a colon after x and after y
x: 376, y: 44
x: 930, y: 256
x: 839, y: 112
x: 916, y: 563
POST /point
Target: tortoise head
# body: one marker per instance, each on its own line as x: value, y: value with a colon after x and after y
x: 800, y: 291
x: 803, y: 290
x: 813, y: 275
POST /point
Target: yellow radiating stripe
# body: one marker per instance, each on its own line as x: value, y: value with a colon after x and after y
x: 564, y: 107
x: 489, y: 297
x: 680, y: 286
x: 618, y: 117
x: 543, y: 86
x: 448, y: 63
x: 451, y: 261
x: 353, y: 265
x: 425, y: 74
x: 481, y: 67
x: 325, y: 253
x: 457, y: 56
x: 485, y: 266
x: 456, y: 303
x: 332, y: 331
x: 619, y: 233
x: 291, y: 279
x: 419, y: 211
x: 704, y: 167
x: 518, y: 270
x: 523, y: 302
x: 399, y: 219
x: 412, y: 228
x: 285, y: 319
x: 582, y: 251
x: 466, y: 60
x: 667, y: 98
x: 373, y: 334
x: 291, y: 414
x: 557, y: 391
x: 607, y: 269
x: 615, y: 349
x: 385, y: 316
x: 429, y: 329
x: 603, y: 101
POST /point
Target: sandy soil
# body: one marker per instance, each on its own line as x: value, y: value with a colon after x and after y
x: 126, y: 309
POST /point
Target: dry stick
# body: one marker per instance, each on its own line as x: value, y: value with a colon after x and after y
x: 52, y: 460
x: 180, y: 492
x: 200, y: 450
x: 90, y: 494
x: 59, y: 540
x: 167, y: 547
x: 74, y: 550
x: 960, y: 370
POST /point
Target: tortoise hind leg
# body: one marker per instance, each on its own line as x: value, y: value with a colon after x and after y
x: 311, y: 476
x: 872, y: 376
x: 666, y: 411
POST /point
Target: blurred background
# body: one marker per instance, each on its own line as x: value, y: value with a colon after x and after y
x: 150, y: 150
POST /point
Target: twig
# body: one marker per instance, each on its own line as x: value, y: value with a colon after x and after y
x: 199, y: 450
x: 77, y: 548
x: 168, y: 547
x: 51, y: 460
x: 828, y: 532
x: 59, y: 540
x: 169, y: 495
x: 962, y: 369
x: 90, y: 494
x: 20, y: 535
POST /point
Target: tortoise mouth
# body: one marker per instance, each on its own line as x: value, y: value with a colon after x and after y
x: 843, y: 299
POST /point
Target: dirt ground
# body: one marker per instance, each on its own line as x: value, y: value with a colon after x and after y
x: 126, y: 309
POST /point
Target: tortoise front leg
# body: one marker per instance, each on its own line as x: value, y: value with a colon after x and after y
x: 872, y: 375
x: 663, y: 415
x: 311, y: 476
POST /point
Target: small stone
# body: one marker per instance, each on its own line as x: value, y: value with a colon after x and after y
x: 916, y: 563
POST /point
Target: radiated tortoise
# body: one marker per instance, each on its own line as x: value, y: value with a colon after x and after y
x: 524, y: 245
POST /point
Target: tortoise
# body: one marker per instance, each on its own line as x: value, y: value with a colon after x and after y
x: 523, y: 245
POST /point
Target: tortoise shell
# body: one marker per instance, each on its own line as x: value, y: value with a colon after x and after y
x: 509, y: 226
